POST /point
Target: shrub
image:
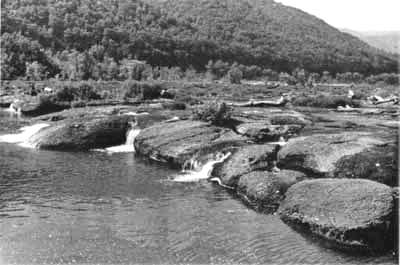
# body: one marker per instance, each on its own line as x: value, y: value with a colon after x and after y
x: 217, y: 113
x: 65, y: 94
x: 135, y: 89
x: 131, y: 88
x: 85, y: 91
x: 81, y: 91
x: 151, y: 91
x: 235, y: 75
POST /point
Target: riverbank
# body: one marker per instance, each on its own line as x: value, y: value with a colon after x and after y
x: 272, y: 154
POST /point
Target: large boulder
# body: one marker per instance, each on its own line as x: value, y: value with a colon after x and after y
x: 329, y: 155
x: 268, y: 124
x: 378, y: 163
x: 83, y: 133
x: 245, y: 160
x: 353, y: 213
x: 267, y: 189
x: 35, y: 106
x: 180, y: 141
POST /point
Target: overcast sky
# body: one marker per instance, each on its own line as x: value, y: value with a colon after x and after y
x: 360, y: 15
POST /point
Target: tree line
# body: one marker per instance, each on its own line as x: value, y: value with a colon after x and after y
x: 108, y: 40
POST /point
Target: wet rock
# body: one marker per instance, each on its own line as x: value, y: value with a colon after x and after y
x: 83, y: 133
x: 180, y: 141
x: 245, y: 160
x: 322, y: 154
x: 379, y: 164
x: 267, y: 189
x: 353, y: 213
x: 35, y: 106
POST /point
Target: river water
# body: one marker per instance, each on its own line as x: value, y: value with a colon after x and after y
x: 100, y: 207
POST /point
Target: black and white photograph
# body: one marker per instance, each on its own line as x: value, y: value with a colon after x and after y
x: 195, y: 132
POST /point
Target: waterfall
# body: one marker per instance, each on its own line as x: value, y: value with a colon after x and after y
x: 22, y: 138
x: 128, y: 146
x: 14, y: 109
x: 198, y: 172
x: 280, y: 142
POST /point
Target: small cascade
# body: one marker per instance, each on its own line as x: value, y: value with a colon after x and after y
x: 14, y: 109
x: 191, y: 165
x: 128, y: 147
x: 173, y: 119
x: 280, y: 142
x: 197, y: 171
x: 132, y: 113
x: 25, y: 134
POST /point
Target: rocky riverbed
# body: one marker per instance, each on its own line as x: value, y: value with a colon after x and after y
x: 331, y: 173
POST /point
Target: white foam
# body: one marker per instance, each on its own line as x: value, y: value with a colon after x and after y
x: 22, y: 138
x: 199, y: 172
x: 176, y: 118
x: 128, y: 147
x: 281, y: 142
x: 13, y: 109
x: 132, y: 113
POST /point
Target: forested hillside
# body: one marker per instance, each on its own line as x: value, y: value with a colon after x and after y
x: 85, y: 39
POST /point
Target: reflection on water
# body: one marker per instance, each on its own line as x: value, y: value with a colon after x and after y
x: 91, y: 207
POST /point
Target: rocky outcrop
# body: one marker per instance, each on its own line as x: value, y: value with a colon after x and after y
x: 274, y: 116
x: 263, y: 125
x: 378, y: 163
x: 180, y: 141
x: 245, y: 160
x: 265, y: 132
x: 83, y: 133
x: 354, y: 213
x: 267, y: 189
x: 333, y: 155
x: 35, y: 106
x: 42, y: 106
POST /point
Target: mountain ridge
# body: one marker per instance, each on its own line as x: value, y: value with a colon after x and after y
x: 190, y: 33
x: 388, y: 41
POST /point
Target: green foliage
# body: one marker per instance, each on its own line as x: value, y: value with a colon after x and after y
x: 235, y: 75
x: 18, y: 52
x: 131, y: 88
x: 389, y: 79
x: 135, y: 89
x: 78, y: 92
x: 151, y: 91
x: 217, y: 113
x: 34, y: 71
x: 90, y: 39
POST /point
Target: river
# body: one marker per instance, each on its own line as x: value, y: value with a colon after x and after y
x: 99, y: 207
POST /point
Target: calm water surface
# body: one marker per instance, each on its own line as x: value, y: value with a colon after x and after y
x: 92, y: 207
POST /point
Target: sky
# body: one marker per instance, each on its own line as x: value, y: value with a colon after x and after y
x: 359, y: 15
